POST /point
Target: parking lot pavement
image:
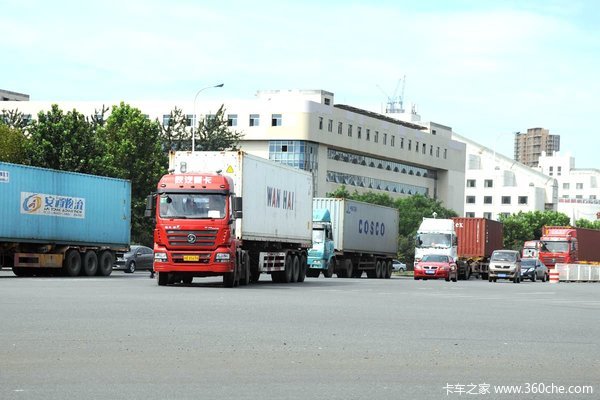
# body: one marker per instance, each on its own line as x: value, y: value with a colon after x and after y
x: 125, y: 337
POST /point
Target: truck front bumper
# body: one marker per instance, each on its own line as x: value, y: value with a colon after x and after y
x: 316, y: 263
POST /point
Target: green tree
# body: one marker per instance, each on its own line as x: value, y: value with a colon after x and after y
x: 584, y: 223
x: 213, y: 134
x: 12, y: 145
x: 175, y: 135
x: 14, y: 119
x: 524, y: 226
x: 64, y: 141
x: 134, y: 151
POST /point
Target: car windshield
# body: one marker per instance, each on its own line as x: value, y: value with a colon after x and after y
x: 442, y: 240
x: 193, y: 205
x: 504, y: 256
x: 528, y: 262
x: 555, y: 247
x: 435, y: 258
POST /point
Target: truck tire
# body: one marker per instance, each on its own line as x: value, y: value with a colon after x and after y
x: 163, y: 278
x: 245, y: 275
x: 388, y: 270
x: 72, y: 263
x: 105, y: 263
x: 303, y: 266
x: 378, y: 270
x: 254, y: 271
x: 90, y: 263
x: 288, y: 272
x: 295, y: 268
x: 328, y: 273
x: 349, y: 269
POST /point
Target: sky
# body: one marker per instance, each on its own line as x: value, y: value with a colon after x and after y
x: 486, y: 68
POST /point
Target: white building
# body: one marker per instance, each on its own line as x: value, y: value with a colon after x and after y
x: 339, y: 143
x: 498, y: 185
x: 578, y: 189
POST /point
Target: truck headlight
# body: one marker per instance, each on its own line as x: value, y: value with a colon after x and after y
x: 160, y: 257
x: 222, y: 257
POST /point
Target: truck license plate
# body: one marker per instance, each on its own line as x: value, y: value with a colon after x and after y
x: 191, y: 258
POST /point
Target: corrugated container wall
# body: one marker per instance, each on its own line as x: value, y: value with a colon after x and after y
x: 478, y: 237
x: 40, y: 205
x: 362, y: 227
x: 588, y: 241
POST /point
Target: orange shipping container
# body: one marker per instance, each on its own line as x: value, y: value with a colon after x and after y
x: 477, y: 237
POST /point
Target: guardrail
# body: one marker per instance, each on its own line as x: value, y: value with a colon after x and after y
x: 577, y: 273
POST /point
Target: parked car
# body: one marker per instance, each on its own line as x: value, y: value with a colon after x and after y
x: 533, y: 268
x: 435, y: 266
x: 398, y: 266
x: 137, y: 258
x: 505, y: 264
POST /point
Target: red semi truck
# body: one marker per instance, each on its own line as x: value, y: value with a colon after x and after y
x: 568, y: 245
x: 204, y: 229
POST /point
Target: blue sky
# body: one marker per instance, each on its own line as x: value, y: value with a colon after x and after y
x: 485, y: 68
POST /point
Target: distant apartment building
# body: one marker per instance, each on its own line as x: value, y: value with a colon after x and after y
x: 529, y: 146
x: 578, y: 188
x: 7, y: 95
x: 339, y: 144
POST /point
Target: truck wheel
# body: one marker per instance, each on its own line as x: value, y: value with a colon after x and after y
x: 105, y: 263
x: 245, y: 275
x: 303, y: 266
x: 328, y: 273
x: 288, y: 271
x: 163, y: 278
x: 295, y: 268
x: 90, y: 263
x: 378, y: 270
x: 388, y: 270
x: 72, y: 263
x: 228, y: 279
x: 349, y: 269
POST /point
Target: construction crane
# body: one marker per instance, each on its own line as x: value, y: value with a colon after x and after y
x: 395, y: 103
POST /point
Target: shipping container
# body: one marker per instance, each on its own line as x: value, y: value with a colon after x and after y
x: 57, y: 211
x: 477, y: 237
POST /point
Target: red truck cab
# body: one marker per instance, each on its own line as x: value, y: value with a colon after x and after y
x: 558, y: 244
x: 194, y: 233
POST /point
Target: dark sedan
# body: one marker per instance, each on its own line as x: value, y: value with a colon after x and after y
x: 534, y: 269
x: 137, y: 258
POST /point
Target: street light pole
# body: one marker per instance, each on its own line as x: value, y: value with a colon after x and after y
x: 195, y: 98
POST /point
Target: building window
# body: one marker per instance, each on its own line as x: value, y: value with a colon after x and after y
x: 416, y: 146
x: 566, y: 186
x: 327, y: 101
x: 445, y: 153
x: 320, y: 123
x: 487, y: 199
x: 470, y: 199
x: 385, y: 139
x: 340, y: 128
x: 505, y: 199
x: 402, y: 143
x: 330, y: 125
x: 437, y: 152
x: 393, y: 140
x: 349, y: 130
x: 359, y: 132
x: 470, y: 214
x: 504, y: 215
x: 424, y: 148
x: 487, y: 215
x: 488, y: 183
x: 579, y: 196
x: 276, y: 120
x: 558, y: 171
x: 522, y: 199
x: 431, y: 150
x: 376, y: 137
x: 190, y: 120
x: 471, y: 183
x: 254, y: 119
x: 232, y: 120
x: 166, y: 119
x: 368, y: 135
x: 409, y: 144
x: 592, y: 197
x: 579, y: 186
x: 433, y: 131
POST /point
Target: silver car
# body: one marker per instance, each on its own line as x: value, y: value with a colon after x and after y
x: 505, y: 264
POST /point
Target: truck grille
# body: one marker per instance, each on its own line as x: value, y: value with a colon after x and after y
x: 203, y: 258
x: 202, y: 238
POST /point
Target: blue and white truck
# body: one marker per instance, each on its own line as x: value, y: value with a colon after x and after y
x: 61, y: 222
x: 351, y: 237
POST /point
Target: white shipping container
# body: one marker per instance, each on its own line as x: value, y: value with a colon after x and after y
x: 277, y: 199
x: 362, y: 227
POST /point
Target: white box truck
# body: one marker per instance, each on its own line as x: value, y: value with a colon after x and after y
x: 351, y: 237
x: 231, y: 214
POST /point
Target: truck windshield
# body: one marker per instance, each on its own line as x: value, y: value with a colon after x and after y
x: 555, y: 247
x: 318, y: 235
x: 193, y: 206
x: 440, y: 240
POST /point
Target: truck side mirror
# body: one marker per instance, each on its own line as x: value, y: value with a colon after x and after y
x: 237, y: 207
x: 149, y: 206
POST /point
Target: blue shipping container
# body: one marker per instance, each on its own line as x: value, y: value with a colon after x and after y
x: 40, y: 205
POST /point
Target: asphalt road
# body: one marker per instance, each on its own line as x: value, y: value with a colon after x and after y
x: 124, y: 337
